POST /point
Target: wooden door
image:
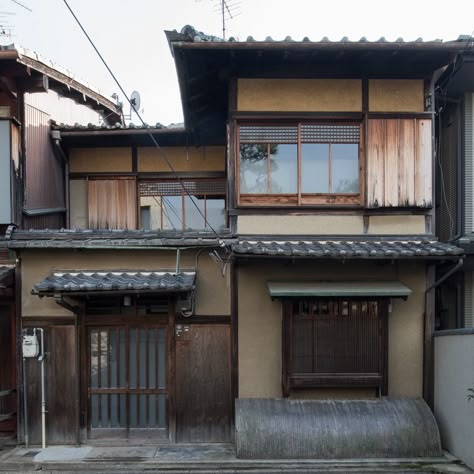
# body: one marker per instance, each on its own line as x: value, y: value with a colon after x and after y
x: 203, y: 396
x: 128, y: 390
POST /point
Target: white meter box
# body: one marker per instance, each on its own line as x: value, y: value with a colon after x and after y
x: 31, y: 346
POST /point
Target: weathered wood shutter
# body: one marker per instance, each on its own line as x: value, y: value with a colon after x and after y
x: 112, y: 204
x: 399, y: 161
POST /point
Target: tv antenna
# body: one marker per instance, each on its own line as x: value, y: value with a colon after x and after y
x: 228, y: 10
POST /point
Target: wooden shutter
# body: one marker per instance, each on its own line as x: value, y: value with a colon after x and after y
x: 399, y: 160
x: 112, y: 204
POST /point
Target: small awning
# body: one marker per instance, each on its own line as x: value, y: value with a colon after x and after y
x: 319, y: 289
x: 115, y: 282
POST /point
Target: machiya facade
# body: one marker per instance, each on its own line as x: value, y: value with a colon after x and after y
x: 288, y: 255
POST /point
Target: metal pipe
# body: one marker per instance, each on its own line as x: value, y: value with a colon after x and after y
x: 178, y: 255
x: 43, y: 398
x: 25, y: 407
x: 446, y: 275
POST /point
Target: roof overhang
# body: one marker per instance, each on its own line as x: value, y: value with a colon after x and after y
x: 327, y: 289
x: 459, y: 76
x: 204, y: 67
x: 35, y: 74
x: 120, y: 282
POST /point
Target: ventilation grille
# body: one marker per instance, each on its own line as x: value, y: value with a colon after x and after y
x: 330, y: 134
x: 175, y: 188
x: 259, y: 134
x: 468, y: 300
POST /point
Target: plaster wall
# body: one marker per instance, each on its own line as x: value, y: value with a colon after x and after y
x: 99, y: 160
x: 260, y: 322
x: 212, y: 289
x: 396, y: 95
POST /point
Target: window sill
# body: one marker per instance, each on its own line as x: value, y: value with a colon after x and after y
x: 246, y: 200
x: 335, y: 380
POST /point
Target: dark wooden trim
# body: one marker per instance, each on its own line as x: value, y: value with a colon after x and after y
x: 171, y: 372
x: 134, y: 159
x: 153, y: 175
x: 47, y: 321
x: 286, y: 346
x: 7, y: 293
x: 385, y: 304
x: 400, y: 115
x: 83, y: 370
x: 428, y: 331
x: 326, y: 210
x: 365, y: 96
x: 300, y: 116
x: 329, y: 381
x: 216, y: 319
x: 234, y: 341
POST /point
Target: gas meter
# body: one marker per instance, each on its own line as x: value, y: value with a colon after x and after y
x: 30, y: 345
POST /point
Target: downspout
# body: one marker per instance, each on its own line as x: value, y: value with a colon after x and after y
x: 429, y: 324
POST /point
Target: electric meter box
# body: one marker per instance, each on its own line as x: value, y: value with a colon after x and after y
x: 31, y: 346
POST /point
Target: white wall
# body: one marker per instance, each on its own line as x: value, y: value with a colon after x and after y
x: 454, y: 374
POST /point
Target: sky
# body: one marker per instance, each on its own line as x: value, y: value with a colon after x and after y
x: 130, y: 34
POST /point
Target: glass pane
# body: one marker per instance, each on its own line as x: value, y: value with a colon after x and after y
x: 151, y: 358
x: 172, y: 213
x: 94, y: 360
x: 142, y: 365
x: 283, y: 169
x: 104, y: 411
x: 314, y: 168
x: 113, y: 358
x: 152, y: 411
x: 193, y: 219
x: 215, y: 212
x: 161, y: 358
x: 133, y: 358
x: 133, y: 411
x: 145, y: 217
x: 103, y: 380
x: 345, y: 168
x: 122, y: 365
x: 114, y: 411
x: 161, y: 410
x: 253, y: 169
x: 142, y: 417
x: 94, y: 411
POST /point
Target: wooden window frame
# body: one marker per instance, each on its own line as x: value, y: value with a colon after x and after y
x: 300, y: 199
x: 292, y: 380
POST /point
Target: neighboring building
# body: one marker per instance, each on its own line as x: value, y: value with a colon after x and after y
x: 280, y: 245
x: 32, y: 175
x: 454, y: 342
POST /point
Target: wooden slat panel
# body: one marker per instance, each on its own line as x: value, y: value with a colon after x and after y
x: 375, y: 162
x: 406, y: 164
x: 423, y: 171
x: 112, y: 204
x: 392, y: 150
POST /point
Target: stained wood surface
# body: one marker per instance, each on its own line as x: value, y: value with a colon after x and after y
x: 203, y: 402
x: 112, y: 204
x: 399, y: 156
x: 60, y: 370
x: 7, y: 379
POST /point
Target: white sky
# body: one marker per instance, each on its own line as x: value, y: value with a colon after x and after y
x: 129, y: 34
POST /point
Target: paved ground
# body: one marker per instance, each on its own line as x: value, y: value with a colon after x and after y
x: 199, y: 458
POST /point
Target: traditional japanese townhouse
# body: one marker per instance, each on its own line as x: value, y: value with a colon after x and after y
x: 276, y: 251
x: 454, y: 341
x: 32, y: 175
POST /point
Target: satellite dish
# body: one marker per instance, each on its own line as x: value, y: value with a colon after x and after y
x: 135, y: 100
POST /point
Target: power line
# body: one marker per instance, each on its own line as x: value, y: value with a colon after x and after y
x: 163, y: 154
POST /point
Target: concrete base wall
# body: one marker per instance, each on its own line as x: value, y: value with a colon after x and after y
x: 454, y: 374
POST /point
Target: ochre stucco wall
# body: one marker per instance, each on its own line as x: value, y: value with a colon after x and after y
x: 393, y: 224
x: 299, y: 95
x: 212, y: 289
x: 259, y: 335
x: 205, y: 158
x: 396, y: 95
x: 97, y: 160
x: 78, y: 204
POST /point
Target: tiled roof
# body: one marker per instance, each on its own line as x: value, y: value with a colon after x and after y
x: 189, y: 33
x: 82, y: 282
x: 117, y: 126
x: 348, y: 248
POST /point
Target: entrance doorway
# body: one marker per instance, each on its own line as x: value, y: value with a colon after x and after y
x: 128, y: 382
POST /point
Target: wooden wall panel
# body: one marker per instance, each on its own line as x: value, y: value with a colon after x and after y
x: 112, y: 204
x: 60, y: 376
x: 375, y: 165
x: 399, y: 163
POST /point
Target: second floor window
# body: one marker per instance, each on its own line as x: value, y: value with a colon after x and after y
x: 299, y: 164
x: 192, y: 205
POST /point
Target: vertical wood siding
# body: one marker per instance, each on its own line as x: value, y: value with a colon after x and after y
x: 112, y: 204
x: 399, y: 163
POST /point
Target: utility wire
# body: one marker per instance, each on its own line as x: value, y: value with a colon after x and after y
x: 163, y: 154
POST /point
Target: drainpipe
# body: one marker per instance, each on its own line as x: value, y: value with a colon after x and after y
x: 429, y: 324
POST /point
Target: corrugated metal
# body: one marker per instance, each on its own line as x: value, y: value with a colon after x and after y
x: 447, y: 166
x: 469, y: 161
x: 44, y: 183
x: 468, y: 300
